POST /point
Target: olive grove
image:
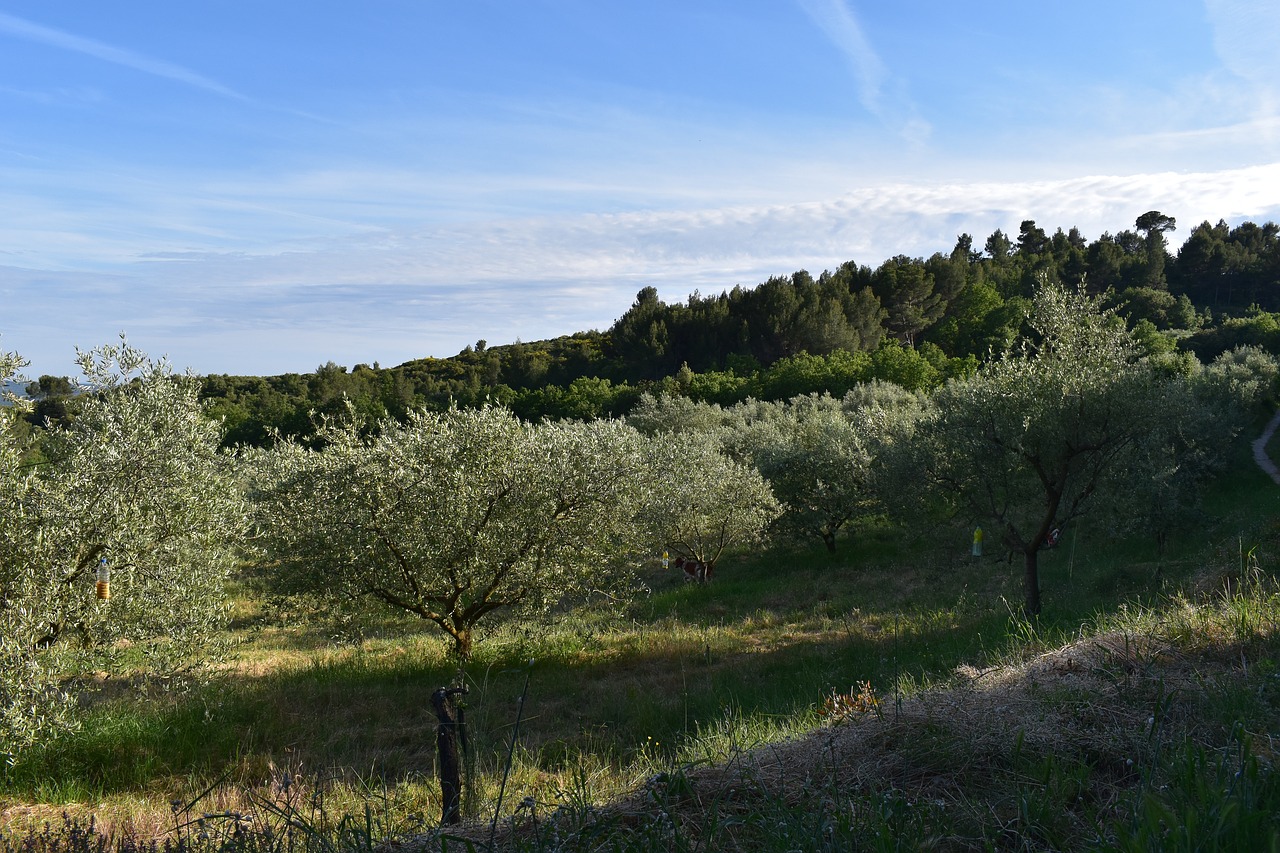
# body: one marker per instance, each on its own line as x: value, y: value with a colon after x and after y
x: 819, y: 455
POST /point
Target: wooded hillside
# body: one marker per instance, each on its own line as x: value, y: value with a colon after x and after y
x: 912, y: 321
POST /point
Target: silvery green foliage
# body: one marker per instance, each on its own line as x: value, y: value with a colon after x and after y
x: 814, y: 457
x: 707, y: 501
x: 10, y: 364
x: 462, y: 517
x: 30, y: 702
x: 1248, y: 375
x: 1207, y: 408
x: 135, y: 479
x: 1071, y: 420
x: 882, y: 403
x: 886, y: 416
x: 667, y: 413
x: 821, y: 456
x: 817, y: 454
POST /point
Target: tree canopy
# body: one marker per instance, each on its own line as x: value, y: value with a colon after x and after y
x: 473, y: 515
x: 135, y: 484
x: 1071, y: 419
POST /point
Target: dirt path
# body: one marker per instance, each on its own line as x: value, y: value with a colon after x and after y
x: 1260, y: 449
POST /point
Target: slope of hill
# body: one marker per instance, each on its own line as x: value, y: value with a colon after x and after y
x: 1116, y: 740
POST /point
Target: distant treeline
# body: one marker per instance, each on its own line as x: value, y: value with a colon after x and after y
x: 912, y: 321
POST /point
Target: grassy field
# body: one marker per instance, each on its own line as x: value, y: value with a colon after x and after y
x: 886, y: 696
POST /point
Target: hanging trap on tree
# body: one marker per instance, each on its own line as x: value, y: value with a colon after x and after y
x: 103, y: 587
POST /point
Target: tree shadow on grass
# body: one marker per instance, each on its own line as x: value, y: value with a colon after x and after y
x: 770, y: 638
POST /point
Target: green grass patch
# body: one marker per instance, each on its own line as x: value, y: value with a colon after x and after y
x: 692, y: 677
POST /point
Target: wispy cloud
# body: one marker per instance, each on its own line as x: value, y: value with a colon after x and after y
x: 743, y: 244
x: 1244, y: 35
x: 406, y: 293
x: 838, y: 23
x: 30, y: 31
x: 841, y: 26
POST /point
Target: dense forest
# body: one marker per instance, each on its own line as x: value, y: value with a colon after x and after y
x: 913, y: 321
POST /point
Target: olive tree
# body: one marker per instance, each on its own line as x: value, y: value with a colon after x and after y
x: 1069, y: 420
x: 675, y: 413
x: 821, y: 455
x: 706, y: 501
x: 134, y: 482
x: 814, y: 458
x: 461, y: 518
x: 30, y: 702
x: 1213, y: 403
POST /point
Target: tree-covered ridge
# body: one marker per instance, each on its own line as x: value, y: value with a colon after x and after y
x: 912, y: 321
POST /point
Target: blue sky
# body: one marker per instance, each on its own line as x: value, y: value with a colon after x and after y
x: 261, y: 187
